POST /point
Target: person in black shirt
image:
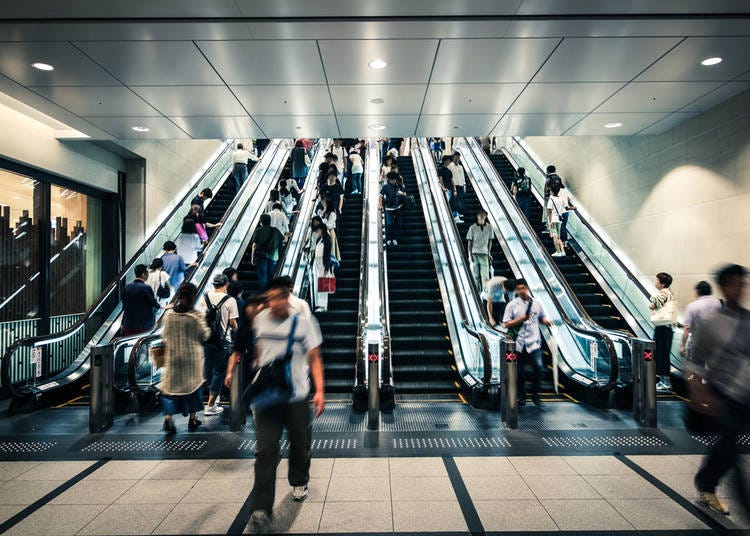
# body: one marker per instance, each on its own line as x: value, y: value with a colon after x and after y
x: 243, y: 348
x: 522, y: 191
x: 392, y: 201
x: 446, y: 181
x: 333, y: 192
x: 138, y: 304
x: 200, y: 200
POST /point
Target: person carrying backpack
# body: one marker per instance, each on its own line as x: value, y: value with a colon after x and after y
x: 553, y: 179
x: 221, y: 317
x: 522, y: 192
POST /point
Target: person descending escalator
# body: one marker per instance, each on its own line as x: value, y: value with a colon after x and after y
x: 323, y: 263
x: 496, y: 299
x: 446, y: 182
x: 392, y: 198
x: 459, y: 184
x: 554, y: 209
x: 480, y: 245
x: 327, y: 214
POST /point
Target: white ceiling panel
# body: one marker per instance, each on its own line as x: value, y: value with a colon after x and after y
x: 683, y: 63
x: 718, y: 95
x: 656, y: 96
x: 191, y: 100
x: 285, y: 100
x: 353, y: 126
x: 593, y: 124
x: 123, y: 31
x: 490, y: 60
x: 399, y: 99
x: 563, y: 98
x: 571, y: 7
x: 671, y: 121
x: 456, y: 125
x: 112, y: 101
x: 152, y: 63
x: 535, y: 124
x: 602, y: 59
x: 470, y: 98
x: 265, y: 62
x: 310, y: 126
x: 409, y: 60
x: 71, y: 66
x: 121, y: 127
x: 617, y: 27
x: 210, y: 127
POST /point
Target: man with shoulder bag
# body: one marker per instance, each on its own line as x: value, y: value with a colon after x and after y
x: 221, y: 317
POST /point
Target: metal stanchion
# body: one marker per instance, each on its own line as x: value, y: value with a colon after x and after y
x: 102, y: 379
x: 237, y: 412
x: 644, y: 383
x: 373, y: 387
x: 508, y: 383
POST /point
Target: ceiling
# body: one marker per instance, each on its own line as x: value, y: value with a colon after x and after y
x: 272, y: 68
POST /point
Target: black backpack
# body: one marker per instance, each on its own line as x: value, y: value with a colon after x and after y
x: 523, y: 184
x: 213, y: 319
x: 553, y: 182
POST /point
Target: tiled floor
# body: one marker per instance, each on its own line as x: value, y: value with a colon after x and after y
x: 360, y: 495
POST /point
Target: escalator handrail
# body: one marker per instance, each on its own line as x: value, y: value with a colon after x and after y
x: 113, y: 285
x: 155, y: 332
x: 360, y: 365
x: 587, y: 330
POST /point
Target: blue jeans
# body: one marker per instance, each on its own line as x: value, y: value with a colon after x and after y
x: 392, y: 224
x: 215, y: 366
x: 265, y: 268
x: 239, y: 172
x: 356, y: 182
x: 524, y: 203
x: 535, y: 359
x: 564, y: 226
x: 460, y: 198
x: 451, y: 203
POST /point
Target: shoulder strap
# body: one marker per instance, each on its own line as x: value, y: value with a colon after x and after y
x: 224, y: 299
x: 290, y: 341
x: 208, y: 302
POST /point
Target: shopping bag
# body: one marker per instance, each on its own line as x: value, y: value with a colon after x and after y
x: 327, y: 284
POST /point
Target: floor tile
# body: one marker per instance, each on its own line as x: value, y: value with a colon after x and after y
x: 685, y: 486
x: 56, y: 520
x: 8, y: 511
x: 661, y: 464
x: 491, y: 488
x: 10, y: 470
x: 358, y: 467
x: 123, y: 470
x: 422, y: 488
x: 485, y: 466
x: 242, y: 469
x: 541, y: 465
x: 656, y: 514
x: 738, y: 519
x: 597, y: 465
x: 319, y: 468
x: 205, y: 518
x: 297, y: 518
x: 94, y: 492
x: 355, y: 517
x: 417, y: 467
x: 317, y: 489
x: 54, y: 471
x: 26, y: 492
x: 693, y: 459
x: 358, y: 489
x: 157, y: 491
x: 623, y: 487
x: 180, y: 470
x: 212, y: 490
x: 128, y: 519
x: 514, y: 515
x: 560, y: 487
x: 428, y: 516
x: 588, y: 514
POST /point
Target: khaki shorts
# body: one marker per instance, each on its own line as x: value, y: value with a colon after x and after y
x: 554, y: 230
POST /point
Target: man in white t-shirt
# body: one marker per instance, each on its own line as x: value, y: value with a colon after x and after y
x: 218, y: 350
x: 341, y: 159
x: 272, y: 328
x: 459, y: 184
x: 555, y: 209
x: 357, y: 171
x: 240, y: 158
x: 279, y: 219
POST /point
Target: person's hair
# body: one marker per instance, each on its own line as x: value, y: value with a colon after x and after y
x: 141, y: 271
x: 392, y: 176
x: 445, y: 158
x: 229, y: 271
x: 551, y: 169
x: 703, y: 288
x: 169, y: 246
x: 315, y: 220
x: 335, y: 157
x: 520, y: 282
x: 456, y: 153
x: 481, y: 212
x: 665, y: 279
x: 288, y: 280
x: 521, y: 172
x: 388, y: 157
x: 555, y: 189
x: 156, y: 264
x: 251, y: 298
x: 184, y: 298
x: 320, y: 227
x: 274, y: 195
x: 240, y: 146
x: 188, y: 226
x: 192, y: 209
x: 206, y: 192
x: 283, y: 189
x: 299, y: 143
x: 727, y: 272
x: 277, y: 206
x: 328, y: 155
x: 234, y: 289
x: 265, y: 219
x: 278, y: 284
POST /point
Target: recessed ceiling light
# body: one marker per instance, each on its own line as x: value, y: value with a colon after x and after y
x: 42, y: 66
x: 377, y: 64
x: 712, y: 61
x: 613, y: 125
x: 140, y: 129
x: 377, y: 126
x: 377, y: 101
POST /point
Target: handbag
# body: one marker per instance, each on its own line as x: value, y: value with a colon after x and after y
x: 272, y: 385
x: 157, y: 354
x: 327, y: 283
x: 664, y: 315
x: 163, y: 291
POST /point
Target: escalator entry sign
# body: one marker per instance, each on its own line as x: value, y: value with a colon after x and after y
x: 372, y: 357
x: 36, y: 360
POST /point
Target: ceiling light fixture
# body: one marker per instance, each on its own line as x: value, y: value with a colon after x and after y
x: 42, y: 66
x: 377, y: 101
x: 377, y: 64
x: 140, y: 129
x: 613, y: 125
x: 298, y: 127
x: 712, y: 61
x: 377, y: 126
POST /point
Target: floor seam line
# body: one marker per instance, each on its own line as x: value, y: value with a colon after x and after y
x: 468, y: 509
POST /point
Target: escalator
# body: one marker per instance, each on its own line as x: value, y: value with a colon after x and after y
x: 423, y: 362
x: 340, y: 322
x: 591, y: 296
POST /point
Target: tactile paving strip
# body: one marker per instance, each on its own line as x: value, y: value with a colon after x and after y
x: 743, y: 440
x: 315, y: 445
x: 416, y: 443
x: 145, y: 446
x: 25, y: 447
x: 609, y: 441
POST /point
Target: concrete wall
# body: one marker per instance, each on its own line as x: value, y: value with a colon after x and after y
x: 677, y: 202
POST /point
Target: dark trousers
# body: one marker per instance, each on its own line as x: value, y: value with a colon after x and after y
x: 498, y: 310
x: 269, y: 425
x: 300, y: 182
x: 265, y: 269
x: 239, y: 172
x: 460, y: 190
x: 662, y: 348
x: 524, y: 203
x: 392, y: 224
x: 215, y: 359
x: 535, y: 360
x: 564, y: 226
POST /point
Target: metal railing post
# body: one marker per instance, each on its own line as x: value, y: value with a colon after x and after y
x: 237, y: 412
x: 102, y: 380
x: 508, y: 383
x: 373, y: 387
x: 644, y: 383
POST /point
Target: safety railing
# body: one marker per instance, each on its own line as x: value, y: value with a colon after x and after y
x: 589, y: 356
x: 69, y: 348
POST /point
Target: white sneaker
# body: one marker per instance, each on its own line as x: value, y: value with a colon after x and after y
x: 213, y: 410
x: 389, y: 242
x: 299, y: 493
x: 663, y: 388
x: 260, y: 521
x: 394, y: 242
